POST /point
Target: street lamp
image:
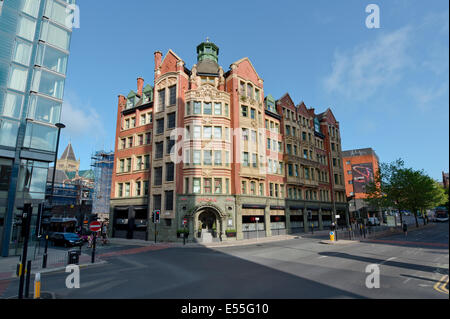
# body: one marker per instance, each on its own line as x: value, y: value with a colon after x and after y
x: 59, y: 126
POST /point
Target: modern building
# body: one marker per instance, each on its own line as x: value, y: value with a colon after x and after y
x: 103, y: 164
x: 35, y: 40
x: 360, y: 167
x: 216, y: 156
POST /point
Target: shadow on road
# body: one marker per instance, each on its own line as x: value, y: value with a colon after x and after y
x: 391, y: 263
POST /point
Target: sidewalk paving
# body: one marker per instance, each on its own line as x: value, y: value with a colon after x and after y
x: 56, y: 260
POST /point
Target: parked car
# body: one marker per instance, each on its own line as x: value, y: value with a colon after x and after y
x: 66, y: 239
x: 373, y: 221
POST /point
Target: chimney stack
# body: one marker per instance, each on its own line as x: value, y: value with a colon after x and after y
x: 140, y: 86
x: 158, y: 59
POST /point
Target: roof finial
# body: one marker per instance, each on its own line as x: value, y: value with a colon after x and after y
x: 207, y: 39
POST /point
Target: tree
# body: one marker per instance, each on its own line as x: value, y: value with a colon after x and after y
x: 404, y: 188
x: 384, y: 192
x: 419, y: 192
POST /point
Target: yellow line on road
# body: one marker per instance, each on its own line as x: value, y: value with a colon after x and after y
x: 440, y: 286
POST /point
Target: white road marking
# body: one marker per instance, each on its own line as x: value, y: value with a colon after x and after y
x: 387, y: 260
x: 321, y: 257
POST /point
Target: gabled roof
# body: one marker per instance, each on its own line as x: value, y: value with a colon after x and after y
x: 247, y: 59
x: 173, y: 53
x: 148, y: 88
x: 68, y: 154
x: 287, y: 99
x: 132, y: 94
x: 302, y: 109
x: 328, y: 114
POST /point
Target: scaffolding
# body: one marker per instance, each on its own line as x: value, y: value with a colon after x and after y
x: 102, y: 164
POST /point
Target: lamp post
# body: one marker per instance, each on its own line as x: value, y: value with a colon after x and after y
x: 59, y: 126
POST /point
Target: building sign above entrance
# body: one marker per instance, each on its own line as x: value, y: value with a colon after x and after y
x: 202, y: 200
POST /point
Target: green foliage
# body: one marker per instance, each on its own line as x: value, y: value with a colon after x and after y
x: 404, y: 188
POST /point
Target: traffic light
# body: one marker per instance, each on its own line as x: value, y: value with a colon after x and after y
x: 23, y: 218
x: 156, y: 216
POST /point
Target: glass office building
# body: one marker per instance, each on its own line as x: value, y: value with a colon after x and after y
x: 34, y: 49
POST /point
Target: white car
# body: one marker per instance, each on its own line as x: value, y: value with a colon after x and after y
x: 373, y: 221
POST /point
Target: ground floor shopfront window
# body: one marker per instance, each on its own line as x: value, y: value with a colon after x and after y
x: 278, y: 225
x: 297, y: 224
x: 253, y: 227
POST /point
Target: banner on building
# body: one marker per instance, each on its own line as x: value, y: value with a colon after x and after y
x: 362, y: 175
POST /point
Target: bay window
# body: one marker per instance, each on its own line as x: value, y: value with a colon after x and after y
x: 48, y: 83
x: 44, y: 110
x: 42, y: 137
x: 55, y: 35
x: 52, y: 59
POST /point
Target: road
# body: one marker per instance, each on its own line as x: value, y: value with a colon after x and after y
x: 293, y: 269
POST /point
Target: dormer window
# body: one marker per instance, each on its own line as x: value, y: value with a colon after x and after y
x: 130, y: 103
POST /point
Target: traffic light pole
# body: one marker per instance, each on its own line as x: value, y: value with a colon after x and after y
x: 26, y: 222
x: 93, y: 249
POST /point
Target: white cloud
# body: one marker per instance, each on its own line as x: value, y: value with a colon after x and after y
x: 81, y: 121
x: 368, y: 67
x: 426, y: 97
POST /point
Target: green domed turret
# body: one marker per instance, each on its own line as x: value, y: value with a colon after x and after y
x: 208, y: 51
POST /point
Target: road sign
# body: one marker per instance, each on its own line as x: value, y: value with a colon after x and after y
x: 95, y: 226
x: 338, y: 216
x: 185, y: 221
x: 257, y: 219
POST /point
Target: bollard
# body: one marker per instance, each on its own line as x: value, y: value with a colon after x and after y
x: 37, y: 286
x: 332, y: 236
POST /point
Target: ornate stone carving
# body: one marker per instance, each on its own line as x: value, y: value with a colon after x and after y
x: 207, y: 173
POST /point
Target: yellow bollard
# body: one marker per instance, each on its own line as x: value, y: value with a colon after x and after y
x: 332, y: 236
x: 37, y: 286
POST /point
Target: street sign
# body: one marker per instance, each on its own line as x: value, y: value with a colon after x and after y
x: 338, y: 216
x: 95, y: 226
x: 185, y: 221
x: 257, y: 219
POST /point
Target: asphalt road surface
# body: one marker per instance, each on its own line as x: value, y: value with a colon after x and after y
x: 416, y: 267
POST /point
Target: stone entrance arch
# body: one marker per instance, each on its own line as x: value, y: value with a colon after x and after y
x: 204, y: 217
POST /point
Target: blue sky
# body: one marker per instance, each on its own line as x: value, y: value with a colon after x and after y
x: 388, y: 87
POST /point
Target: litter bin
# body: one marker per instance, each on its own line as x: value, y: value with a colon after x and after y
x: 74, y: 257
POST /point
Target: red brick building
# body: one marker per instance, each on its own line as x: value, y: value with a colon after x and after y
x: 360, y: 167
x: 223, y: 157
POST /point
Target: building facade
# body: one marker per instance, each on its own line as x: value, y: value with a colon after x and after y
x: 35, y: 40
x: 225, y: 162
x: 360, y: 167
